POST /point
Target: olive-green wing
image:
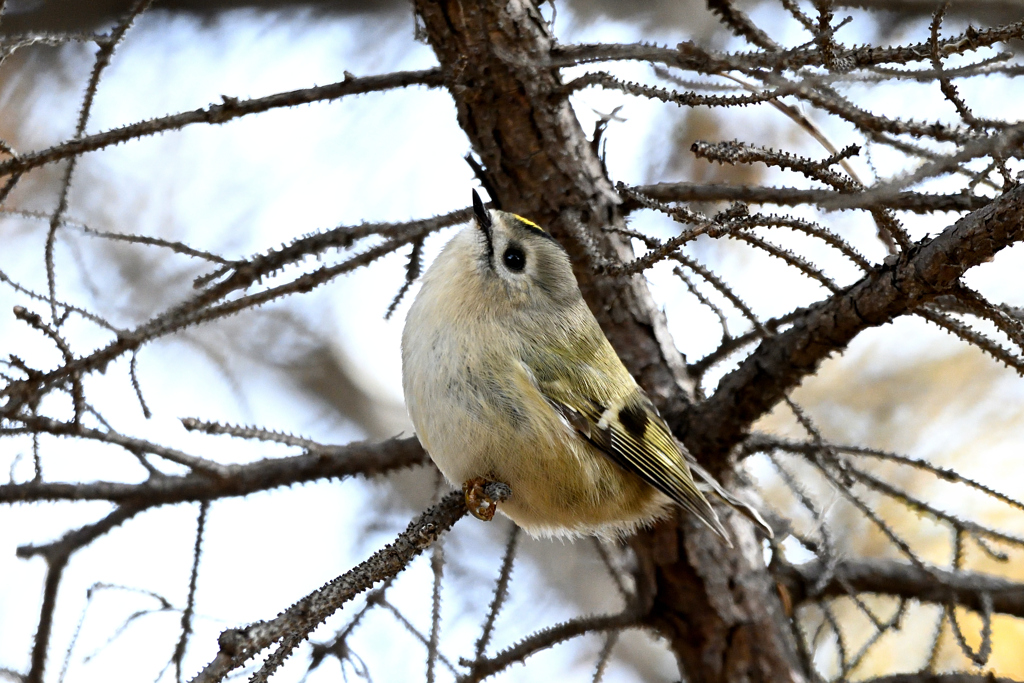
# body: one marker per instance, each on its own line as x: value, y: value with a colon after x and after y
x: 631, y: 432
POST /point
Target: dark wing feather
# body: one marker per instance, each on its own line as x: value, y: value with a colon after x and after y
x: 634, y: 436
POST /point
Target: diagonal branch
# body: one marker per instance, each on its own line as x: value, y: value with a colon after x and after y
x: 932, y: 268
x: 239, y: 276
x: 549, y: 637
x: 294, y: 624
x: 230, y: 108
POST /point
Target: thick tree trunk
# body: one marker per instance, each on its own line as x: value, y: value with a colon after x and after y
x: 718, y: 606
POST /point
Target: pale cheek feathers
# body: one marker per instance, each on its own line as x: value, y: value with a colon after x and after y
x: 552, y: 276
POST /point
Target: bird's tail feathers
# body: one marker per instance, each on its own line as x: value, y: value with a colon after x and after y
x: 709, y: 484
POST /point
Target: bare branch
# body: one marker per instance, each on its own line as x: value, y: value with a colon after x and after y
x: 932, y: 268
x: 791, y: 196
x: 107, y: 46
x: 57, y: 555
x: 231, y: 108
x: 186, y: 614
x: 239, y: 645
x: 741, y: 24
x: 689, y: 56
x: 433, y: 642
x: 238, y: 480
x: 1001, y: 144
x: 242, y: 275
x: 500, y: 593
x: 45, y: 425
x: 542, y: 640
x: 682, y: 99
x: 890, y: 577
x: 931, y: 677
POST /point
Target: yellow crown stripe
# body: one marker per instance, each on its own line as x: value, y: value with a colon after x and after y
x: 529, y: 222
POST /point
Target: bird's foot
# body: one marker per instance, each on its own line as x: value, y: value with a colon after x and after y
x: 483, y: 496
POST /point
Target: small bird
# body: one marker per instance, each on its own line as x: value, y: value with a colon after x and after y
x: 509, y: 378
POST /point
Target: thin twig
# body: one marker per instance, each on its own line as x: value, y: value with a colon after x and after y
x: 186, y: 614
x: 500, y: 593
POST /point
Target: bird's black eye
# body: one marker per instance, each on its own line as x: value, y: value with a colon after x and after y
x: 514, y: 259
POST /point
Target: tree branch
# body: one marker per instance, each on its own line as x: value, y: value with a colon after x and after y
x: 928, y: 677
x: 295, y: 623
x: 238, y: 276
x: 933, y: 267
x: 790, y: 196
x: 238, y: 480
x: 904, y: 580
x: 689, y: 56
x: 57, y: 555
x: 542, y: 640
x: 231, y: 108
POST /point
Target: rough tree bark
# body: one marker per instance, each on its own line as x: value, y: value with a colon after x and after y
x: 717, y: 606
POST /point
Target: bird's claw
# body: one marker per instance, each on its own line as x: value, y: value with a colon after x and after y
x: 482, y: 497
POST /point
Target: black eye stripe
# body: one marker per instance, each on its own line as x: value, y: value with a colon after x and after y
x: 514, y: 258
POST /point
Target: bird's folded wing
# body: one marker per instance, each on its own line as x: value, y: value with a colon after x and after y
x: 632, y: 433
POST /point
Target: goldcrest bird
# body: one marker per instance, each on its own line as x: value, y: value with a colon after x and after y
x: 509, y: 378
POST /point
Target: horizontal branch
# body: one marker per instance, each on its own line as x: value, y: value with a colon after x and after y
x: 780, y: 363
x: 236, y: 480
x: 977, y: 10
x: 790, y: 196
x: 231, y: 108
x: 929, y: 677
x: 44, y: 425
x: 689, y: 56
x: 903, y: 580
